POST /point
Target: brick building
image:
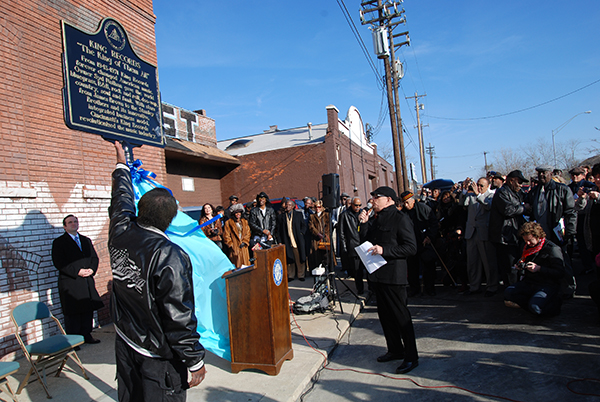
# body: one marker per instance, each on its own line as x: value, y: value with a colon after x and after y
x: 46, y: 169
x: 195, y: 166
x: 291, y: 162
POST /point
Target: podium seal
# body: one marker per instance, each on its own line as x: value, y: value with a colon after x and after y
x: 277, y: 272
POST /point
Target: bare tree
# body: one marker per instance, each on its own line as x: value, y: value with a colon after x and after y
x: 506, y: 160
x: 568, y: 155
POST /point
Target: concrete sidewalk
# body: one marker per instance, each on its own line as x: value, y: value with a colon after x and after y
x: 323, y: 329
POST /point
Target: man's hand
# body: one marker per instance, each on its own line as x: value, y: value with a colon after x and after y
x: 120, y: 153
x: 594, y: 195
x: 364, y: 216
x: 197, y: 377
x: 85, y: 272
x: 375, y: 250
x: 532, y: 267
x: 426, y: 241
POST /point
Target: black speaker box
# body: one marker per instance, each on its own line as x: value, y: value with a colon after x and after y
x: 331, y: 190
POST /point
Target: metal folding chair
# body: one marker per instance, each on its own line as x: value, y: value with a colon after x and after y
x: 6, y: 369
x: 48, y: 352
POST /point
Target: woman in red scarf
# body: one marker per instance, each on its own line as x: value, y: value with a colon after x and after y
x: 541, y: 267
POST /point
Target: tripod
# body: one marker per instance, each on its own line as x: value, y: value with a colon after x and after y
x: 331, y: 275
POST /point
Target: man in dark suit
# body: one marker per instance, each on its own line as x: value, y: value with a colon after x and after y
x: 392, y: 235
x: 291, y: 229
x: 77, y: 262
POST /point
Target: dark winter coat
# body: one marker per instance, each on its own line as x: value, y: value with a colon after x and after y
x: 77, y: 294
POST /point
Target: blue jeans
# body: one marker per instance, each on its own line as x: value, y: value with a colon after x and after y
x: 537, y: 298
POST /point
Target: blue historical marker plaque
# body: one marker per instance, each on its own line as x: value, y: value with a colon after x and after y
x: 109, y: 90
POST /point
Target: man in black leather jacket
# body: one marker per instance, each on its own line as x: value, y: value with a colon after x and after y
x: 263, y: 221
x: 152, y: 302
x: 391, y: 233
x: 425, y: 225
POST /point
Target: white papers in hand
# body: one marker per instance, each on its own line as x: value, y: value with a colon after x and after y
x: 372, y: 262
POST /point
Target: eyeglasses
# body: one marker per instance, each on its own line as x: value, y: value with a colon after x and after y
x: 379, y: 196
x: 357, y: 205
x: 480, y: 185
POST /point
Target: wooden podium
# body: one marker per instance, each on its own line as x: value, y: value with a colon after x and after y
x: 259, y: 313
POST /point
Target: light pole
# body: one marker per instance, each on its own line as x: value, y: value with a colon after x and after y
x: 557, y: 129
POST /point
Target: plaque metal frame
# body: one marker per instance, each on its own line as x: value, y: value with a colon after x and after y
x: 108, y: 89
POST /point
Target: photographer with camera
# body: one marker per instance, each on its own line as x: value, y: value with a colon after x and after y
x: 540, y: 269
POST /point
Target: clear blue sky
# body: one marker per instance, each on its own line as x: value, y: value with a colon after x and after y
x: 254, y: 64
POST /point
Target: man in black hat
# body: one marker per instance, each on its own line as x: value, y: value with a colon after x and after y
x: 233, y: 199
x: 553, y: 207
x: 496, y: 181
x: 391, y: 233
x: 506, y: 217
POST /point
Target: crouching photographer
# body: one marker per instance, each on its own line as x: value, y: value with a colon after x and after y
x: 540, y: 269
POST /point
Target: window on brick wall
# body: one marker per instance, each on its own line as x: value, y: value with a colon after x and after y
x: 187, y: 184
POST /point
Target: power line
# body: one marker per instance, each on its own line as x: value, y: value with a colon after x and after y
x: 458, y: 156
x: 380, y: 82
x: 520, y: 110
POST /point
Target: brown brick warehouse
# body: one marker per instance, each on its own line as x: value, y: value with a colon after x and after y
x: 48, y: 171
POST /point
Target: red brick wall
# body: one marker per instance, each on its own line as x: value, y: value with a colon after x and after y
x: 46, y: 169
x: 289, y: 172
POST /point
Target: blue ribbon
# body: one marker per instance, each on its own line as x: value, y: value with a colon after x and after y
x: 198, y: 227
x: 139, y: 176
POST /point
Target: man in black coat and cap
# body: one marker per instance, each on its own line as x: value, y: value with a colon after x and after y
x: 506, y: 217
x: 391, y: 233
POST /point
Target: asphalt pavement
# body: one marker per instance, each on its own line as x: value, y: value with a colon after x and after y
x: 471, y: 348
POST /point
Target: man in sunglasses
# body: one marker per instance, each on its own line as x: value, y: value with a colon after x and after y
x: 349, y: 239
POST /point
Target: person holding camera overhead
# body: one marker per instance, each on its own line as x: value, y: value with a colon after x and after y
x: 540, y: 268
x: 213, y: 230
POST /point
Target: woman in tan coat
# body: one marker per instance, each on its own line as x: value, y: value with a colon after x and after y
x: 318, y: 225
x: 236, y: 235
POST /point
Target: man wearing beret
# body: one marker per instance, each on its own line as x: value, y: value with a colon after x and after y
x: 391, y: 233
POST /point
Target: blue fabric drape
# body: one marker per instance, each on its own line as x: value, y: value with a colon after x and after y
x: 208, y: 262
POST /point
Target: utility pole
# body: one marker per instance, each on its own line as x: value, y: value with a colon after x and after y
x: 419, y: 107
x: 382, y: 25
x: 485, y: 160
x: 431, y: 152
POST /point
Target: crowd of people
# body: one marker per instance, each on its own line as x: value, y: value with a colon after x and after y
x: 510, y: 232
x: 242, y: 229
x: 499, y: 232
